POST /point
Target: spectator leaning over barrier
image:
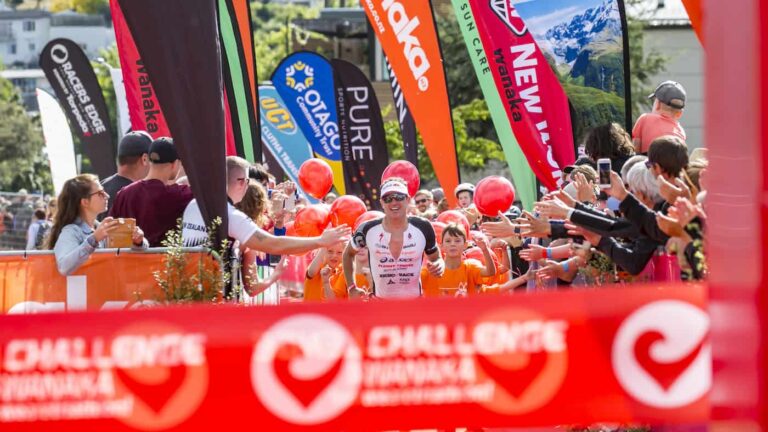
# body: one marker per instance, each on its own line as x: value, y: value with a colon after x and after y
x: 132, y: 164
x: 76, y: 233
x: 241, y: 228
x: 156, y: 202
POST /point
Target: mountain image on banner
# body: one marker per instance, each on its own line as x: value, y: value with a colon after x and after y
x: 583, y: 42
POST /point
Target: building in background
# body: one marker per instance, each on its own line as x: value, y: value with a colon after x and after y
x: 24, y: 33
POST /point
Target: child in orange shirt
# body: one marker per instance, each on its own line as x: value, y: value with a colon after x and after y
x: 461, y: 276
x: 325, y: 277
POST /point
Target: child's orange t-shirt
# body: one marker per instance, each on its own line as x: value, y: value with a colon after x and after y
x: 313, y: 287
x: 466, y: 276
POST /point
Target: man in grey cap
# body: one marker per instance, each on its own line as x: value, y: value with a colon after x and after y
x: 132, y: 165
x: 664, y: 120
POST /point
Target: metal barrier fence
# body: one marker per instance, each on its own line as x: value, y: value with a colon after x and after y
x: 16, y: 214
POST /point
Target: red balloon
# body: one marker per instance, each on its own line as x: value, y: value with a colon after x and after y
x: 316, y: 178
x: 365, y: 217
x: 494, y: 194
x: 290, y: 230
x: 406, y: 171
x: 438, y: 227
x: 457, y: 217
x: 346, y: 209
x: 312, y: 220
x: 474, y: 253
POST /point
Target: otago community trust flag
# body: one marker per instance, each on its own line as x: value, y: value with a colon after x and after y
x: 305, y: 82
x: 407, y: 33
x: 179, y: 43
x: 363, y: 142
x: 586, y: 42
x: 280, y: 133
x: 143, y: 108
x: 533, y: 98
x: 72, y: 78
x: 240, y: 81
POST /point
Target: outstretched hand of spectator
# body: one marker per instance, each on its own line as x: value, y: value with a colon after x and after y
x: 553, y: 209
x: 672, y: 191
x: 335, y: 235
x: 592, y: 237
x: 533, y: 226
x: 617, y: 189
x: 501, y: 229
x: 585, y: 189
x: 533, y: 253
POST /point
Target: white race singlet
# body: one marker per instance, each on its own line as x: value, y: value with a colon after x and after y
x: 396, y: 278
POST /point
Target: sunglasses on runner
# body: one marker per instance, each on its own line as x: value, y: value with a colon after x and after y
x: 394, y: 197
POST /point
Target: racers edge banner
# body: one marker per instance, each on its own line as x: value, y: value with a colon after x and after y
x: 404, y: 118
x: 143, y: 108
x: 72, y: 78
x: 179, y: 43
x: 304, y: 81
x: 58, y: 140
x: 240, y: 79
x: 525, y: 181
x: 281, y: 134
x: 363, y: 142
x: 408, y: 36
x: 618, y: 355
x: 534, y: 100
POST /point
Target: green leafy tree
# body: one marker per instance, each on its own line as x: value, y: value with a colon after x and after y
x: 274, y: 34
x: 110, y: 57
x: 82, y: 6
x: 644, y: 64
x: 22, y: 162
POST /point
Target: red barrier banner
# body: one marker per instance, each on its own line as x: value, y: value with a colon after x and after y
x: 408, y: 36
x: 107, y: 281
x: 639, y: 354
x: 533, y: 98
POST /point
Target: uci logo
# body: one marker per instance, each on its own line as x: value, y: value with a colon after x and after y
x: 277, y: 115
x: 661, y: 355
x: 299, y: 76
x: 306, y: 369
x: 507, y: 12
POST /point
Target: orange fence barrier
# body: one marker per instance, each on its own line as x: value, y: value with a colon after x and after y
x: 110, y: 279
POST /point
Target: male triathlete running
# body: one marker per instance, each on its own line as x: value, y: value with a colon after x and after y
x: 396, y: 246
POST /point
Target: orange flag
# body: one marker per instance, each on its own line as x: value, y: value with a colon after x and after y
x: 693, y: 7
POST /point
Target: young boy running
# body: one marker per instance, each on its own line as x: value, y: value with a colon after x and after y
x: 462, y: 277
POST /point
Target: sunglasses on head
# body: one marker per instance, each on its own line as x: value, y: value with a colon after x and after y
x: 394, y: 197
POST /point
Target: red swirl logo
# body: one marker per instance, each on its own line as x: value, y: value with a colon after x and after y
x: 306, y: 369
x: 661, y: 355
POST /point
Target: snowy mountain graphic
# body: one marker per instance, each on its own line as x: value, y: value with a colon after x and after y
x: 565, y: 41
